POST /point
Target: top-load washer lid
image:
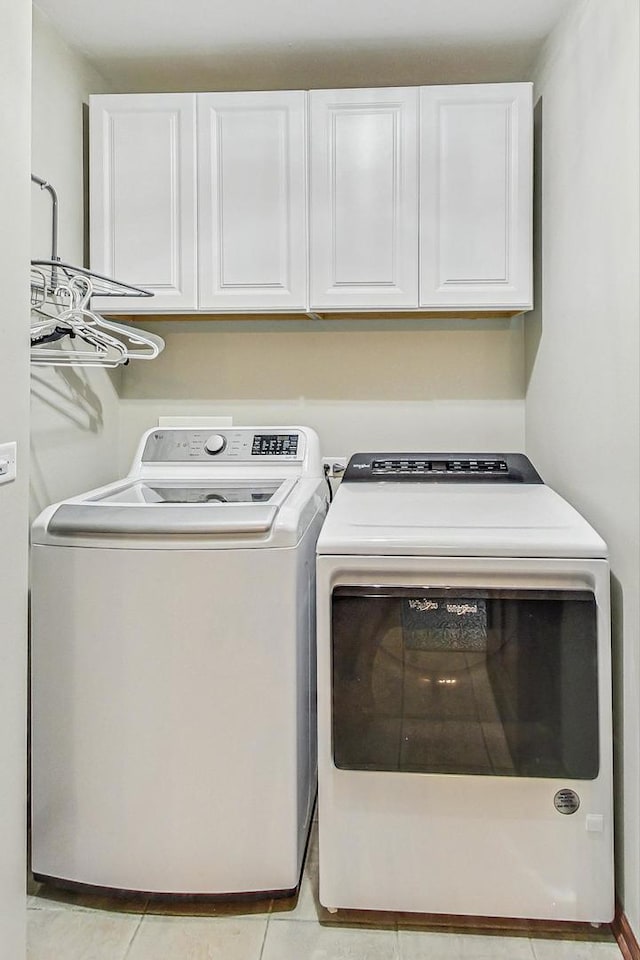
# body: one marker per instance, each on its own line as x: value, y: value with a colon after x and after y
x: 176, y: 491
x: 492, y: 505
x: 183, y: 507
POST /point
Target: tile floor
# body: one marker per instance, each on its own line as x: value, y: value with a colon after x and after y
x: 70, y: 926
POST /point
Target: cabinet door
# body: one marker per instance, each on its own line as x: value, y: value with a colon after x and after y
x: 143, y: 188
x: 476, y: 196
x: 364, y: 198
x: 252, y: 201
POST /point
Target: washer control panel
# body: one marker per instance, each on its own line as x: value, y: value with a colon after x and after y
x: 239, y: 445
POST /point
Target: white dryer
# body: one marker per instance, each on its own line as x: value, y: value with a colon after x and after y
x: 173, y: 668
x: 464, y: 693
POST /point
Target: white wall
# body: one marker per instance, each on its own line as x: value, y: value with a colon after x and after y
x: 15, y: 30
x: 412, y: 385
x: 583, y: 352
x: 74, y: 413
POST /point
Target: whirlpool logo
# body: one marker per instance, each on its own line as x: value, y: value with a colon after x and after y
x: 424, y: 605
x: 459, y: 609
x: 462, y: 609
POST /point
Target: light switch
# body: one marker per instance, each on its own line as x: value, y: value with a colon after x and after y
x: 7, y: 462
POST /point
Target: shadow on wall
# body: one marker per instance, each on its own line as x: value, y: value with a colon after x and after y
x: 64, y: 404
x: 533, y: 327
x: 310, y: 66
x: 69, y: 394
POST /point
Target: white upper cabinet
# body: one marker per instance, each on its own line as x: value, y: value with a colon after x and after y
x: 476, y: 196
x: 252, y: 229
x: 221, y: 226
x: 143, y: 197
x: 363, y: 198
x: 408, y: 198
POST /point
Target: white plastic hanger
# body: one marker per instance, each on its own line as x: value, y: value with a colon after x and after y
x: 111, y: 343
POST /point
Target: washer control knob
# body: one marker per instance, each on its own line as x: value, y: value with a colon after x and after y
x: 214, y: 444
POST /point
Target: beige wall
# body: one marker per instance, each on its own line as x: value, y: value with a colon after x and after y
x: 74, y: 411
x: 361, y: 385
x: 387, y: 63
x: 583, y: 353
x: 15, y: 30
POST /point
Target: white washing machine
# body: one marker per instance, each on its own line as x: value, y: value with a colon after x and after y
x: 173, y: 668
x: 464, y: 693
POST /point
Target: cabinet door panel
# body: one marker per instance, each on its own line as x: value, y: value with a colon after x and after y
x: 252, y: 200
x: 363, y: 198
x: 475, y: 205
x: 143, y: 211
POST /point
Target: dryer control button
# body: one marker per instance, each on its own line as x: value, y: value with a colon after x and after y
x: 214, y: 444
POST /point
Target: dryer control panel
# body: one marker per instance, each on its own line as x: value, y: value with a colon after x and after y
x: 237, y: 445
x: 443, y: 467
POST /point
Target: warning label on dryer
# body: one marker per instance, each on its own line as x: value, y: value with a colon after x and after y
x: 566, y: 801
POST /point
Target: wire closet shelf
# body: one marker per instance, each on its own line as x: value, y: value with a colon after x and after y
x: 60, y: 312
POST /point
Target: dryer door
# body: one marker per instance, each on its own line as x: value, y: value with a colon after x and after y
x: 497, y: 682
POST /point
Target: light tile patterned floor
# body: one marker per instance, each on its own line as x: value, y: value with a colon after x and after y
x: 69, y: 926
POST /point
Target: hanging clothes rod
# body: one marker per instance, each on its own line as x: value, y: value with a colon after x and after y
x: 45, y: 185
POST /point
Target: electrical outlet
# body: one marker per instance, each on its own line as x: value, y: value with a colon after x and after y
x: 334, y: 467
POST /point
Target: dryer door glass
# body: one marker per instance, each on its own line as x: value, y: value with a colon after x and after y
x: 493, y: 682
